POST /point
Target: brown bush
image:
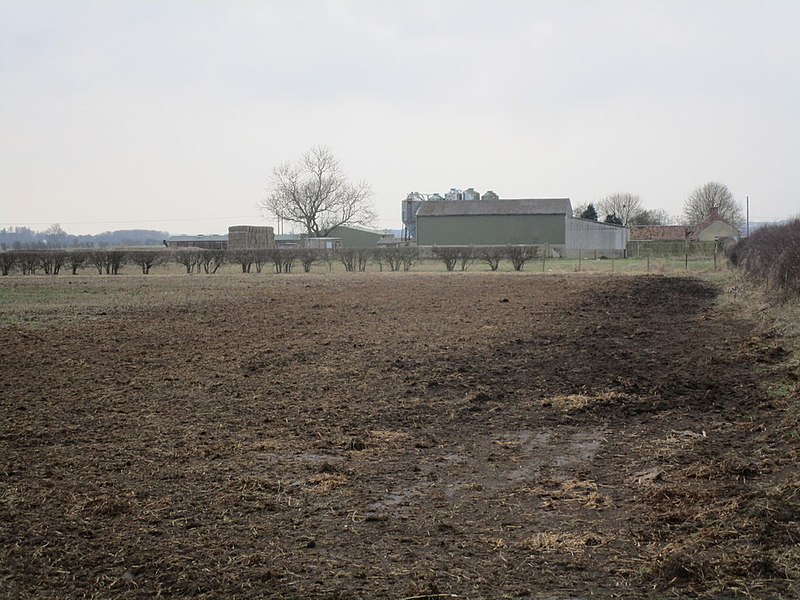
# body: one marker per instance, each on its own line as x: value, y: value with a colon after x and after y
x: 771, y: 257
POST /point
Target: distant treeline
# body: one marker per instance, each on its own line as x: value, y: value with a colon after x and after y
x: 24, y: 238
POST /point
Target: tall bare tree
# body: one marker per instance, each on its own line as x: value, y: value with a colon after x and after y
x: 316, y: 193
x: 622, y: 204
x: 712, y: 195
x: 656, y: 216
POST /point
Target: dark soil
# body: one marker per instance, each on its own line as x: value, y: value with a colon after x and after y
x: 387, y: 436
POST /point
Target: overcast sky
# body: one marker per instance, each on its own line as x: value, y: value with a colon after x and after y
x: 171, y: 114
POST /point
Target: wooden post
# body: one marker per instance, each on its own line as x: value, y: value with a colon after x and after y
x: 686, y: 262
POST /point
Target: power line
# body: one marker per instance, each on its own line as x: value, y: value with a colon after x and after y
x: 179, y: 220
x: 183, y: 220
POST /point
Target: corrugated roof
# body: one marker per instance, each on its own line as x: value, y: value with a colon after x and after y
x: 522, y: 206
x: 198, y: 238
x: 660, y: 232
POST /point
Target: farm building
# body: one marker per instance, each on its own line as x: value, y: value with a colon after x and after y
x: 289, y: 240
x: 247, y: 237
x: 540, y: 221
x: 345, y: 236
x: 492, y: 222
x: 600, y: 239
x: 206, y: 242
x: 355, y: 236
x: 714, y: 227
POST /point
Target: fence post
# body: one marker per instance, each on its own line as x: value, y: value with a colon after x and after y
x: 579, y: 260
x: 686, y: 262
x: 648, y: 262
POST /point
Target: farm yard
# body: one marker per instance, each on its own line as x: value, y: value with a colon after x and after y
x: 394, y: 435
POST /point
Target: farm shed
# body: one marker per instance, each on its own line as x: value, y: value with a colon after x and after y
x: 590, y: 238
x: 493, y: 222
x: 353, y: 236
x: 206, y: 242
x: 247, y: 237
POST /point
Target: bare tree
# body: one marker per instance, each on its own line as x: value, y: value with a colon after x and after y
x: 397, y: 257
x: 409, y: 256
x: 355, y: 259
x: 245, y: 258
x: 492, y: 255
x: 712, y: 195
x: 283, y: 258
x: 448, y: 255
x: 190, y: 259
x: 52, y: 261
x: 212, y: 260
x: 55, y: 236
x: 623, y: 205
x: 466, y: 256
x: 7, y: 262
x: 519, y: 255
x: 308, y: 257
x: 657, y: 216
x: 317, y: 194
x: 76, y: 260
x: 147, y: 259
x: 28, y: 262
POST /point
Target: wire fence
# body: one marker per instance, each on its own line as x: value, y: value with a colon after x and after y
x: 661, y: 258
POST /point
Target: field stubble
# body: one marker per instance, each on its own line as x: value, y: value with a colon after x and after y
x: 393, y: 435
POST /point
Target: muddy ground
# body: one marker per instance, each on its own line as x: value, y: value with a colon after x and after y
x: 393, y: 436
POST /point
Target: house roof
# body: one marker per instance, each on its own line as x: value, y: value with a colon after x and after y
x: 522, y: 206
x: 712, y: 218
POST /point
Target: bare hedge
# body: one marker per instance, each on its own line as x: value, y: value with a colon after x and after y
x: 771, y: 257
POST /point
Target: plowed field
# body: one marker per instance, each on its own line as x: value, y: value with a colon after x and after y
x: 391, y: 436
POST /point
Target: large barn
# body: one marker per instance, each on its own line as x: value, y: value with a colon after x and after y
x: 536, y: 221
x: 493, y: 222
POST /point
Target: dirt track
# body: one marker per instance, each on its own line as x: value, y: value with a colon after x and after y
x: 396, y: 435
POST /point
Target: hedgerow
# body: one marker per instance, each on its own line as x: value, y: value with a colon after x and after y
x: 771, y: 257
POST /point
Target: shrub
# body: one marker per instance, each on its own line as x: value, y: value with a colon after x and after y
x: 147, y: 259
x: 448, y: 255
x: 771, y: 257
x: 7, y: 262
x: 492, y: 255
x: 519, y: 255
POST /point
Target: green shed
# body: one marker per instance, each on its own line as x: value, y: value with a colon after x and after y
x: 493, y: 222
x: 354, y: 236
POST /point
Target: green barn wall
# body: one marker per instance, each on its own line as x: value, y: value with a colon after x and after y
x: 490, y: 230
x: 355, y: 238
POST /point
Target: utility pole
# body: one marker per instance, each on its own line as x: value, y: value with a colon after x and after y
x: 748, y: 216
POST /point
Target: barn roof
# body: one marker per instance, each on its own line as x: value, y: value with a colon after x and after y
x: 198, y: 238
x: 522, y: 206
